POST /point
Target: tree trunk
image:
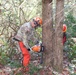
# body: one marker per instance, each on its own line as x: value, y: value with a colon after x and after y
x: 58, y: 45
x: 47, y: 31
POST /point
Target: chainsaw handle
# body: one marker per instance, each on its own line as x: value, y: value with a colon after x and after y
x: 42, y: 48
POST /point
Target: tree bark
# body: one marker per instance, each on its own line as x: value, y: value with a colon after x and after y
x: 47, y: 31
x: 58, y: 45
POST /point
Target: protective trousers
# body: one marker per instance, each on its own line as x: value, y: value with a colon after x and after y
x: 64, y: 38
x: 25, y: 53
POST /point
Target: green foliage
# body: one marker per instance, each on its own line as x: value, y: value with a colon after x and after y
x: 20, y: 73
x: 70, y: 21
x: 39, y: 33
x: 14, y: 64
x: 33, y: 69
x: 7, y: 56
x: 3, y: 54
x: 73, y: 74
x: 72, y: 53
x: 70, y: 46
x: 4, y: 59
x: 70, y: 18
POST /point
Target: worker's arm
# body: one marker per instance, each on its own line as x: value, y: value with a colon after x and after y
x: 24, y: 31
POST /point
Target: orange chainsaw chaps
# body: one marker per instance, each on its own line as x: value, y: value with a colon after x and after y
x: 25, y: 53
x: 26, y: 60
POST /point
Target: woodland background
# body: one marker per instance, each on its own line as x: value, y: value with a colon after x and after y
x: 13, y: 13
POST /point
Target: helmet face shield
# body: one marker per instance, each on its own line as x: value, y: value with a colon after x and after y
x: 37, y: 21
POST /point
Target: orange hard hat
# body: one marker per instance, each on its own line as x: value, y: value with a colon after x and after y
x: 38, y: 20
x: 64, y: 27
x: 36, y: 48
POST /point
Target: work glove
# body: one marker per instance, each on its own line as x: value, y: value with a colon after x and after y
x: 16, y: 39
x: 28, y: 49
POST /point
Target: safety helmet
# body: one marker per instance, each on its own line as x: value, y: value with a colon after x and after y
x: 37, y: 21
x: 36, y: 48
x: 64, y: 27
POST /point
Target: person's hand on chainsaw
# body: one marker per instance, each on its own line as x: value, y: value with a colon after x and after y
x: 28, y: 49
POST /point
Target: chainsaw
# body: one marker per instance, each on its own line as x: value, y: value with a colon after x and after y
x: 39, y: 48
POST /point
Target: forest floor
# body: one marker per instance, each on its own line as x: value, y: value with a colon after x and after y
x: 36, y: 69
